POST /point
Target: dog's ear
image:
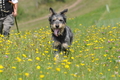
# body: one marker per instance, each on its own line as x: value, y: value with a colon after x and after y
x: 64, y: 11
x: 63, y: 14
x: 52, y: 11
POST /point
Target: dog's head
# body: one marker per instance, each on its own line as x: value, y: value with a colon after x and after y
x: 57, y: 22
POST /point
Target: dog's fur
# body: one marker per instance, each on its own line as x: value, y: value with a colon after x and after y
x: 61, y: 34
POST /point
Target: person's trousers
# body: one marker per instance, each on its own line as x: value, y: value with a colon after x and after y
x: 5, y: 24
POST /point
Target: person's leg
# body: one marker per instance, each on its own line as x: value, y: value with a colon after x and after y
x: 1, y: 25
x: 7, y: 24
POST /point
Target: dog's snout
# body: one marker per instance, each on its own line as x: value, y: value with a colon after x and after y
x: 57, y: 26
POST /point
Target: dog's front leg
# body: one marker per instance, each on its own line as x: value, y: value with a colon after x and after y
x: 57, y: 47
x: 65, y: 48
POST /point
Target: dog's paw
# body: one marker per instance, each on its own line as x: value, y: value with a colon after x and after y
x: 65, y: 45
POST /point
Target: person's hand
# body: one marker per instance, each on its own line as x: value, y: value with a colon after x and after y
x: 14, y: 13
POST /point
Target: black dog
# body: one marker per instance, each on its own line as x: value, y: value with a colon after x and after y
x: 61, y: 34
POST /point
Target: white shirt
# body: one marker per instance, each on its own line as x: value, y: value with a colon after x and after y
x: 15, y: 1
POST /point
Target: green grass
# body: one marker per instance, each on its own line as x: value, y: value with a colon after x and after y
x: 27, y: 10
x: 100, y: 16
x: 94, y: 55
x: 87, y: 13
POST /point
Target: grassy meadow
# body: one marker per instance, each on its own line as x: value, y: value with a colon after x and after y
x: 95, y: 55
x: 95, y: 52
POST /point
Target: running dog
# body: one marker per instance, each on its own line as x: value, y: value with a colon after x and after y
x: 61, y: 34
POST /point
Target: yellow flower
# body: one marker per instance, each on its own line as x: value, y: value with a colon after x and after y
x: 55, y: 58
x: 1, y: 35
x: 67, y: 66
x: 118, y: 75
x: 77, y: 65
x: 74, y: 75
x: 46, y: 51
x: 114, y: 27
x: 19, y: 60
x: 37, y: 58
x: 14, y: 67
x: 43, y: 54
x: 89, y: 69
x: 110, y: 31
x: 1, y: 67
x: 82, y: 64
x: 42, y: 76
x: 68, y: 62
x: 108, y: 69
x: 105, y: 55
x: 65, y: 60
x: 29, y: 59
x: 1, y: 71
x: 112, y: 75
x: 41, y: 72
x: 97, y: 59
x: 65, y: 72
x: 7, y: 53
x: 37, y: 51
x: 71, y: 50
x: 20, y: 79
x: 101, y: 73
x: 57, y: 69
x: 72, y: 57
x: 49, y: 68
x: 65, y: 56
x: 24, y: 55
x: 116, y: 67
x: 80, y: 24
x: 62, y: 63
x: 38, y: 67
x: 27, y: 74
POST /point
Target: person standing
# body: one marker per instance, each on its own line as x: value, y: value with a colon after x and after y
x: 8, y: 10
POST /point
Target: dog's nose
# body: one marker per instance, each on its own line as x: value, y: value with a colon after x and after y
x: 57, y: 26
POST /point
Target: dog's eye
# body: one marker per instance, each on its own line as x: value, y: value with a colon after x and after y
x: 60, y: 20
x: 53, y: 20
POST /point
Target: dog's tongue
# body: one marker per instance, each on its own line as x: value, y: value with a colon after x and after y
x: 56, y: 31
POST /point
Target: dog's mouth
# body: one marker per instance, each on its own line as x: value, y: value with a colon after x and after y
x: 57, y: 32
